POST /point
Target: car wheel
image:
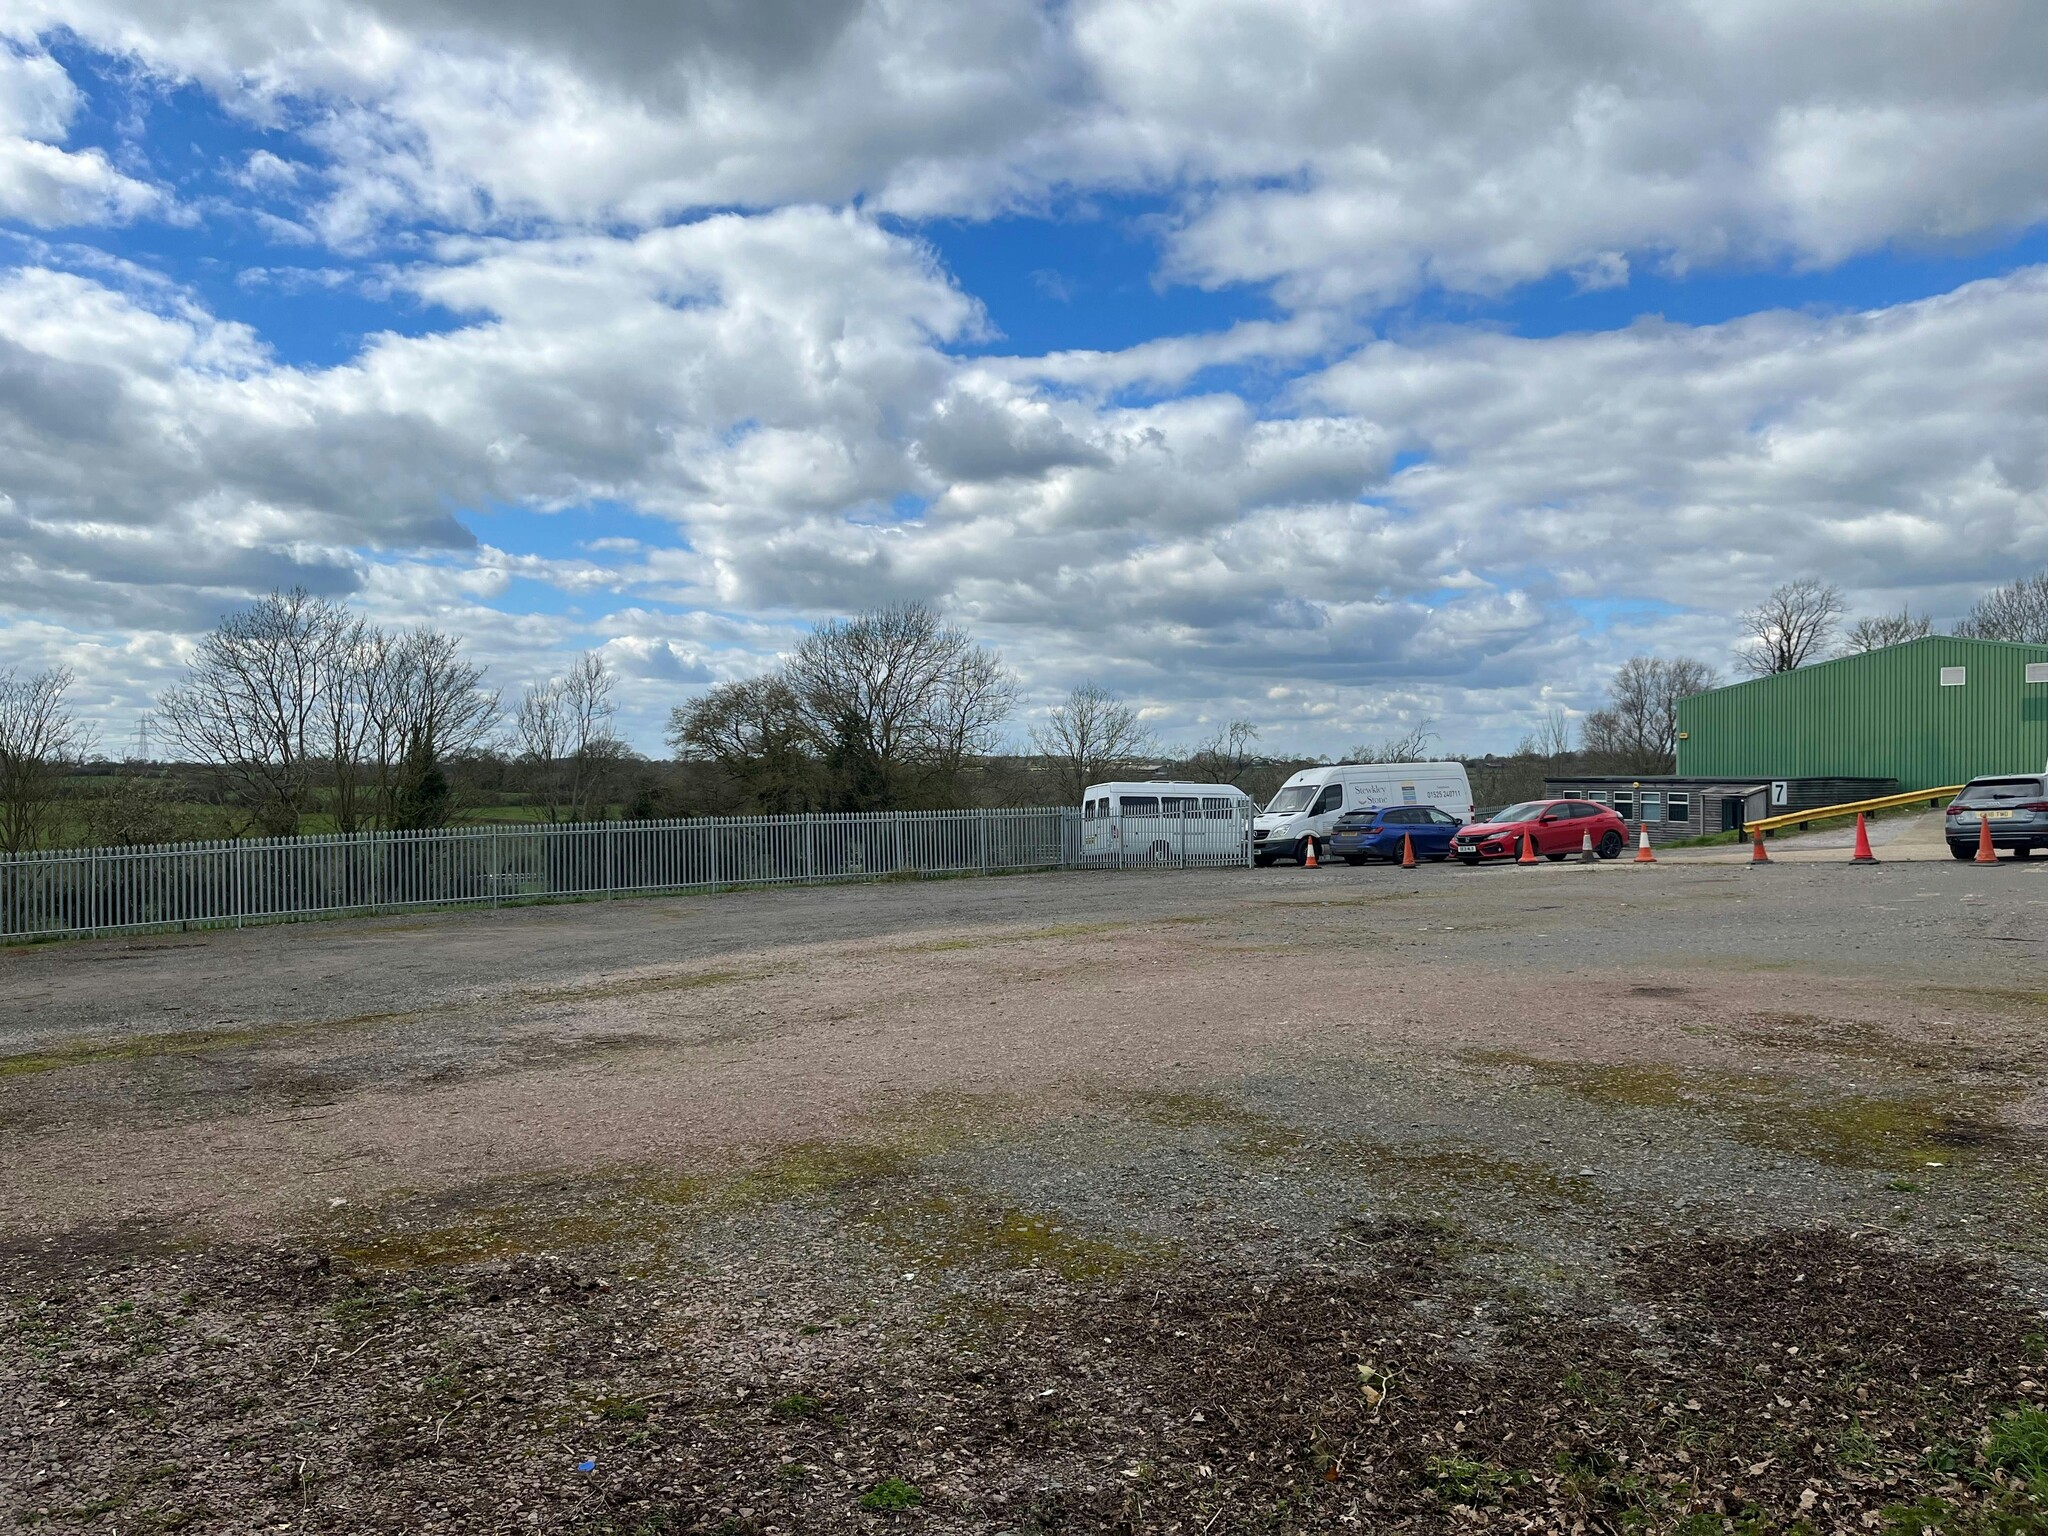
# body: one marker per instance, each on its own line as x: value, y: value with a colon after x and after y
x: 1354, y: 859
x: 1962, y: 850
x: 1611, y: 845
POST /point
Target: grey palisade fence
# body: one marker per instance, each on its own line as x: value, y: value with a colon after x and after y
x: 231, y: 883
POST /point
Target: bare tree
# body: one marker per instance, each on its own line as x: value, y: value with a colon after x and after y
x: 1638, y: 730
x: 346, y: 712
x: 1408, y: 747
x: 1089, y: 737
x: 254, y: 703
x: 296, y: 694
x: 896, y: 702
x: 1224, y: 757
x: 1552, y: 738
x: 755, y: 732
x: 40, y: 742
x: 431, y: 707
x: 564, y: 729
x: 1874, y: 634
x: 2016, y: 612
x: 1789, y: 628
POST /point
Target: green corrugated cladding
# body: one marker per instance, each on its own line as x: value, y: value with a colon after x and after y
x: 1881, y: 714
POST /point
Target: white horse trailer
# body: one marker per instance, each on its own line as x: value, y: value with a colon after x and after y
x: 1162, y: 822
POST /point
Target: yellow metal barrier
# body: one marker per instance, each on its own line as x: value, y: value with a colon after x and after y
x: 1824, y: 812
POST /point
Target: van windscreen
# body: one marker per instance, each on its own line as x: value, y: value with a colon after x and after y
x: 1295, y: 797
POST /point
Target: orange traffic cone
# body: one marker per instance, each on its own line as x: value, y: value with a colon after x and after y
x: 1407, y: 850
x: 1308, y: 860
x: 1986, y: 854
x: 1643, y: 854
x: 1862, y: 855
x: 1757, y: 854
x: 1528, y: 850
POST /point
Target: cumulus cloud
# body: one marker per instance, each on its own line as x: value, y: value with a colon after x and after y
x: 1418, y: 515
x: 1340, y: 151
x: 1353, y: 151
x: 671, y: 244
x: 42, y: 183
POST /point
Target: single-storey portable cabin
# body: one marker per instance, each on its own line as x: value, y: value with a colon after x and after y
x: 1675, y: 808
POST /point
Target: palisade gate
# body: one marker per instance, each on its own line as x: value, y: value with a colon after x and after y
x: 231, y: 883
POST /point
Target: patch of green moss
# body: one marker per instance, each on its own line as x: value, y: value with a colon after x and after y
x: 640, y: 986
x: 1377, y: 898
x: 950, y: 1230
x: 2026, y: 1001
x: 1466, y: 1169
x: 184, y: 1042
x: 1851, y: 1130
x: 1255, y: 1135
x: 989, y: 940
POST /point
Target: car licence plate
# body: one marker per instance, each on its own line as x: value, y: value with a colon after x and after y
x: 1996, y: 815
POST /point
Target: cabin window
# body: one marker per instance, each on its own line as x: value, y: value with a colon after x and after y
x: 1216, y: 808
x: 1141, y: 805
x: 1679, y: 806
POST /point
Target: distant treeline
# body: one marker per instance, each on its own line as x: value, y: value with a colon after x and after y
x: 296, y: 715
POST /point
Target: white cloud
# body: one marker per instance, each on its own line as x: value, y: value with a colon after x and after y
x: 775, y: 386
x: 1341, y: 151
x: 661, y: 231
x: 1367, y: 150
x: 41, y: 183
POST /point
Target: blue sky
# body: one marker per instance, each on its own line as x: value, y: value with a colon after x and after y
x: 1346, y: 369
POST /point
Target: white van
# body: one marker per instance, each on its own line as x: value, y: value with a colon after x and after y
x: 1309, y: 804
x: 1166, y: 822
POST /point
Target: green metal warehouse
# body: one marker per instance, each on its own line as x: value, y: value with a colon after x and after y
x: 1929, y: 712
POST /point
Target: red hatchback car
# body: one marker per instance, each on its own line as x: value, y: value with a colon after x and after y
x: 1559, y: 828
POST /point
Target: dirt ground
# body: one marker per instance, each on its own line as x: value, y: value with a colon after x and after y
x: 1686, y: 1197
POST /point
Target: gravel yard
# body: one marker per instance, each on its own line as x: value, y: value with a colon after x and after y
x: 1686, y: 1197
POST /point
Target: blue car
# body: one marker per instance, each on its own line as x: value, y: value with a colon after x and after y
x: 1376, y: 833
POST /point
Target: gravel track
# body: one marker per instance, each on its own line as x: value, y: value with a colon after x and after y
x: 610, y: 1181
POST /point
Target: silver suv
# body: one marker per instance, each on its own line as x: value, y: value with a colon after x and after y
x: 2015, y: 806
